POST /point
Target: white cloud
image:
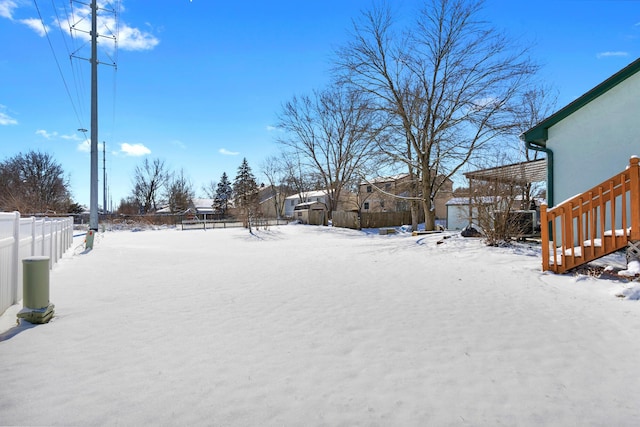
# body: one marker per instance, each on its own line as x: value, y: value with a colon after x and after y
x: 48, y: 135
x: 134, y: 39
x: 72, y: 137
x: 85, y: 146
x: 608, y: 54
x: 6, y: 8
x: 134, y: 150
x: 36, y: 25
x: 227, y: 152
x: 271, y: 128
x: 5, y: 119
x: 129, y: 38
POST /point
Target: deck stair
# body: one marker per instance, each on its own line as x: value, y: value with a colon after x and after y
x: 593, y: 224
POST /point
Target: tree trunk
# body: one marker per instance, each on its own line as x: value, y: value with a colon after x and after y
x: 415, y: 215
x: 429, y: 216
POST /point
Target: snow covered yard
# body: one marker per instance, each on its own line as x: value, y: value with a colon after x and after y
x: 304, y: 325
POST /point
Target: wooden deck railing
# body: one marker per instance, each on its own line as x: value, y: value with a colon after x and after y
x: 593, y: 224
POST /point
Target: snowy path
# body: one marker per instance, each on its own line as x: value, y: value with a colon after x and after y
x: 320, y: 326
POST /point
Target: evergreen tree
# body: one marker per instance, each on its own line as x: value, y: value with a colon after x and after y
x: 222, y: 196
x: 246, y: 192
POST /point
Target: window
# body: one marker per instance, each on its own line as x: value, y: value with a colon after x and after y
x: 366, y: 206
x: 387, y: 186
x: 369, y: 189
x: 382, y: 204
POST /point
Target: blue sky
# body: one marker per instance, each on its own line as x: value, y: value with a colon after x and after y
x: 199, y: 83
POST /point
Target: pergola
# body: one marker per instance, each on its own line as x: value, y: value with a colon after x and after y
x: 522, y: 173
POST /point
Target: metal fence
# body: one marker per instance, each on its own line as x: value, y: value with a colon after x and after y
x: 204, y: 224
x: 25, y: 237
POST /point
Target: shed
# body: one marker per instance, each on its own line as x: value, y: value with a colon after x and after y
x: 314, y: 213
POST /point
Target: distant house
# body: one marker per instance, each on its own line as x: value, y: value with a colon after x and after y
x: 202, y: 208
x: 291, y: 202
x: 388, y: 194
x: 271, y: 202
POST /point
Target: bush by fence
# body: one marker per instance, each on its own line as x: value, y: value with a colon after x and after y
x: 24, y: 237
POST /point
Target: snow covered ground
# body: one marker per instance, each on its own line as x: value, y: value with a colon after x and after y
x: 302, y: 325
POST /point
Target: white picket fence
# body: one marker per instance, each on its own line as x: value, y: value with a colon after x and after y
x: 25, y: 237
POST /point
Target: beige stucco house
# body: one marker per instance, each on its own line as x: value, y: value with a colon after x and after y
x: 385, y: 194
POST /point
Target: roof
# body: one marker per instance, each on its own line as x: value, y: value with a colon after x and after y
x: 517, y: 173
x: 308, y: 194
x: 391, y: 178
x: 539, y: 133
x: 202, y: 203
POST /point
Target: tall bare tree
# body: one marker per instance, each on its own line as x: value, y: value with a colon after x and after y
x: 179, y: 192
x: 332, y: 133
x: 446, y: 82
x: 33, y: 183
x: 148, y: 181
x: 535, y: 105
x: 278, y: 176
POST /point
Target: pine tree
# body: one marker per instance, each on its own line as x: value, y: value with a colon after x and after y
x: 223, y: 195
x: 246, y: 192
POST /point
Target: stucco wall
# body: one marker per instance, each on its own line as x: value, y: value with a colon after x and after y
x: 595, y: 142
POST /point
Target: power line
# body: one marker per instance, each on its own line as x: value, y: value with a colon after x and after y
x: 44, y: 27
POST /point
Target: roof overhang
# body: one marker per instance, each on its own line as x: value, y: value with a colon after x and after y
x: 539, y: 134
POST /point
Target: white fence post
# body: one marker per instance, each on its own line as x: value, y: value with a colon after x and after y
x: 13, y: 249
x: 16, y: 258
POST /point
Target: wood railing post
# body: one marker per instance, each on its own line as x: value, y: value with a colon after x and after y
x: 634, y: 178
x: 544, y: 234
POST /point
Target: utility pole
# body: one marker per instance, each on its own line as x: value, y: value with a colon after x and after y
x: 93, y: 197
x: 104, y: 176
x: 94, y: 61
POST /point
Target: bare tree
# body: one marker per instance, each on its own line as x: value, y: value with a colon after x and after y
x: 148, y: 182
x: 179, y: 192
x: 332, y: 133
x: 534, y: 106
x: 299, y: 177
x: 278, y: 175
x: 33, y: 183
x: 210, y: 189
x: 447, y: 83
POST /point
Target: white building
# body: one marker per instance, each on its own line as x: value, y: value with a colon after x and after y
x: 309, y: 196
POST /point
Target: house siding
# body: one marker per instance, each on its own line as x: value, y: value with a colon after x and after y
x: 595, y: 142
